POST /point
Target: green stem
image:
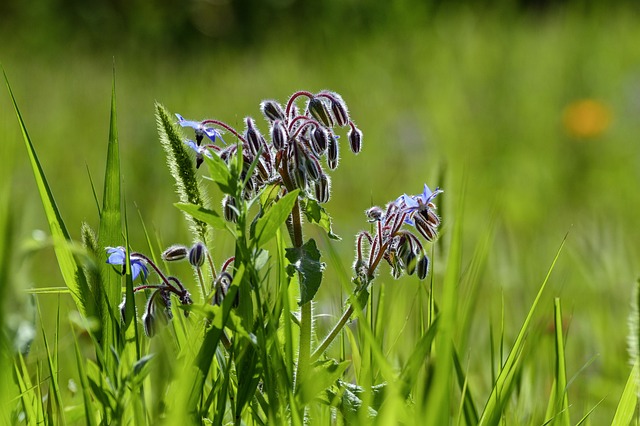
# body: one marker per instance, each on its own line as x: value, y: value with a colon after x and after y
x: 332, y: 334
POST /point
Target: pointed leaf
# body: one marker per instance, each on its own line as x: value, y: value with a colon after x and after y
x: 274, y: 217
x: 306, y: 261
x: 210, y: 217
x: 315, y: 213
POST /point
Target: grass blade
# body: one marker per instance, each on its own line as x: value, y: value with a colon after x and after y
x: 69, y: 267
x: 628, y: 400
x: 502, y: 389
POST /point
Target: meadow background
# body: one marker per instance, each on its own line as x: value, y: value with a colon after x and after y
x: 527, y: 115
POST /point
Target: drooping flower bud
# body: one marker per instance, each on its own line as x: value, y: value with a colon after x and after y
x: 229, y: 209
x: 339, y: 110
x: 319, y: 140
x: 253, y: 137
x: 312, y: 166
x: 322, y: 187
x: 197, y: 254
x: 332, y: 152
x: 319, y: 111
x: 175, y: 252
x: 149, y: 324
x: 425, y: 228
x: 409, y: 262
x: 374, y: 214
x: 355, y: 139
x: 272, y: 110
x: 423, y: 267
x: 278, y: 135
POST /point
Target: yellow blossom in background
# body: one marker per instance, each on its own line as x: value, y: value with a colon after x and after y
x: 586, y: 118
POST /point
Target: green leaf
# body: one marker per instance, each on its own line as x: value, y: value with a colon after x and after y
x: 306, y: 261
x: 315, y: 213
x: 71, y: 271
x: 324, y: 373
x: 274, y: 217
x: 200, y: 213
x: 220, y: 174
x: 628, y: 400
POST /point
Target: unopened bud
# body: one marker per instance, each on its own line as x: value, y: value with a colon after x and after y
x: 322, y: 188
x: 339, y: 109
x: 425, y: 228
x: 272, y: 110
x: 278, y: 135
x: 197, y: 254
x: 175, y: 252
x: 332, y: 152
x: 375, y: 214
x: 229, y: 209
x: 355, y: 139
x: 252, y: 136
x: 149, y: 324
x: 410, y: 261
x: 319, y: 111
x: 319, y: 140
x: 423, y: 267
x: 312, y: 166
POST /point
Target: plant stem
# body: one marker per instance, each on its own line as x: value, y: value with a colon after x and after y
x: 332, y: 334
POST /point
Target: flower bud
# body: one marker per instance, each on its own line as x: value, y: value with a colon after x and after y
x: 425, y: 228
x: 253, y: 137
x: 322, y: 188
x: 272, y: 110
x: 332, y: 152
x: 319, y: 140
x: 375, y: 214
x: 319, y: 111
x: 229, y: 209
x: 278, y: 135
x: 197, y: 254
x: 355, y: 139
x: 423, y: 267
x: 409, y: 262
x: 149, y: 324
x: 339, y: 110
x: 312, y: 166
x: 175, y: 252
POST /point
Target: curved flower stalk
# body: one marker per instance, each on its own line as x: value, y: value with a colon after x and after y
x: 394, y: 241
x: 291, y: 153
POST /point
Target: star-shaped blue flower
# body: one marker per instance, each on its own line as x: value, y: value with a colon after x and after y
x: 117, y: 257
x: 417, y: 203
x: 200, y: 129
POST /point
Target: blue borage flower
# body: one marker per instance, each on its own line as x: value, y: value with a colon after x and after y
x: 200, y: 129
x: 417, y: 203
x: 117, y: 257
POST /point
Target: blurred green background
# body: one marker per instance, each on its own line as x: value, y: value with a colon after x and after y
x: 527, y: 115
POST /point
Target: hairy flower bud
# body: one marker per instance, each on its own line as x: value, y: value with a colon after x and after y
x: 253, y: 137
x: 425, y: 228
x: 423, y: 267
x: 409, y: 261
x: 355, y: 139
x: 319, y: 140
x: 319, y: 111
x: 272, y: 110
x: 229, y: 209
x: 375, y: 214
x: 149, y: 324
x: 175, y: 252
x: 322, y: 187
x: 197, y: 254
x: 339, y: 110
x: 332, y: 152
x: 278, y: 135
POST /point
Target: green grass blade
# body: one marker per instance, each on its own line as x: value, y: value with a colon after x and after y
x: 89, y: 410
x: 628, y: 400
x: 502, y: 388
x: 69, y: 267
x: 561, y: 411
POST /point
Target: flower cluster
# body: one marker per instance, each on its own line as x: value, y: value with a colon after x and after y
x: 291, y: 154
x: 394, y: 240
x: 158, y: 306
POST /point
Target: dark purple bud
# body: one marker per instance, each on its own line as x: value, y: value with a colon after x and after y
x: 355, y: 139
x: 222, y: 287
x: 319, y: 111
x: 409, y: 262
x: 375, y: 214
x: 425, y: 228
x: 149, y: 324
x: 175, y: 252
x: 431, y: 217
x: 197, y: 254
x: 230, y: 209
x: 278, y: 135
x: 312, y: 166
x: 252, y: 136
x: 319, y: 140
x: 339, y: 109
x: 403, y: 248
x: 272, y: 110
x: 166, y: 301
x: 332, y: 152
x: 322, y: 188
x: 300, y: 177
x: 423, y: 267
x: 199, y: 160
